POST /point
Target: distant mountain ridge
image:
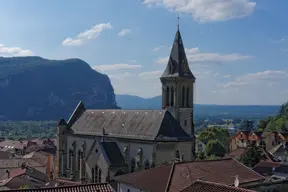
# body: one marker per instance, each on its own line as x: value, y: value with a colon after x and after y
x: 33, y: 88
x: 201, y: 110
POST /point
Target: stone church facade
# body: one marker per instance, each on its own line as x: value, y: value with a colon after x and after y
x: 96, y: 145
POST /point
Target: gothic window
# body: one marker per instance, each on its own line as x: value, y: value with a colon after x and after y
x: 70, y: 160
x: 133, y: 165
x: 93, y: 175
x: 167, y: 96
x: 147, y: 164
x: 172, y: 96
x: 187, y: 97
x: 177, y: 154
x: 79, y: 161
x: 185, y: 122
x: 99, y: 175
x: 96, y: 172
x: 183, y: 96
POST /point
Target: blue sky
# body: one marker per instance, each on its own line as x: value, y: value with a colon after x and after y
x: 237, y: 49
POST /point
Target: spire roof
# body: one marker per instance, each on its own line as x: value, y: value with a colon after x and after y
x: 178, y: 64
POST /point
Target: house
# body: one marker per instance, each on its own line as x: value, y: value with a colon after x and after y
x: 180, y: 175
x: 199, y: 146
x: 25, y: 176
x: 241, y: 139
x: 13, y: 146
x: 268, y: 140
x: 141, y: 139
x: 95, y: 187
x: 280, y: 151
x: 272, y: 170
x: 238, y: 152
x: 206, y: 186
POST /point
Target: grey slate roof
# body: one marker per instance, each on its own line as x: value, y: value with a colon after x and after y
x: 178, y: 64
x: 112, y: 153
x: 130, y: 124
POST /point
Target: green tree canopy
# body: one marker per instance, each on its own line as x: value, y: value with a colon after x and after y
x: 219, y: 134
x: 253, y: 155
x: 214, y: 147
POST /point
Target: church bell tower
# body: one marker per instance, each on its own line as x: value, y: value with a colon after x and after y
x: 178, y: 86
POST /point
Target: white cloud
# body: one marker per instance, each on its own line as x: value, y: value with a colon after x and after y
x: 120, y: 76
x: 14, y: 51
x: 124, y: 32
x: 150, y: 74
x: 92, y: 33
x: 208, y: 10
x: 155, y: 49
x: 194, y: 55
x: 227, y: 76
x: 253, y: 78
x: 115, y: 67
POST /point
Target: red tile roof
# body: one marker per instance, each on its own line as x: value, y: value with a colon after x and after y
x: 180, y: 175
x: 154, y: 179
x: 95, y: 187
x: 205, y: 186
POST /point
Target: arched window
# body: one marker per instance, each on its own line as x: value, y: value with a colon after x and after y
x: 96, y: 178
x: 187, y: 97
x: 79, y: 160
x: 167, y: 96
x: 147, y: 164
x: 183, y: 96
x: 93, y: 175
x: 99, y: 175
x: 172, y: 96
x: 177, y: 154
x: 70, y: 159
x: 133, y: 165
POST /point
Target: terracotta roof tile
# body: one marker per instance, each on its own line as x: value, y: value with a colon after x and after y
x: 98, y: 187
x: 205, y: 186
x: 180, y: 175
x: 185, y: 173
x: 266, y: 167
x: 154, y: 179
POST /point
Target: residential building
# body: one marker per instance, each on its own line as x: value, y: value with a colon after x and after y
x: 23, y: 177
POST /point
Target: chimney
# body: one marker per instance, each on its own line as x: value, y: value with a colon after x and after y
x: 8, y: 174
x: 236, y: 181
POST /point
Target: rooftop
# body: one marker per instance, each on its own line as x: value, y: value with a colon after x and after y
x: 98, y: 187
x: 178, y: 176
x: 205, y: 186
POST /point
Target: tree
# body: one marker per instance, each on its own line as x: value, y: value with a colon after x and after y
x: 252, y: 156
x: 262, y: 124
x: 200, y: 156
x: 214, y: 147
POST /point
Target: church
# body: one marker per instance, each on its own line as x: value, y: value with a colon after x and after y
x: 96, y: 145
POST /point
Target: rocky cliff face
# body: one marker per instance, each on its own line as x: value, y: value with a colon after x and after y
x: 33, y: 88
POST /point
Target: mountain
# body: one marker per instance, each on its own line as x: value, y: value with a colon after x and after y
x: 33, y: 88
x: 201, y: 110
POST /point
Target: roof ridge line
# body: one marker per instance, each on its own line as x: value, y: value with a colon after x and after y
x: 170, y: 177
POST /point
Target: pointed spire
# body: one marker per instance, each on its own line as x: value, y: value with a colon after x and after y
x: 178, y: 64
x: 178, y: 22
